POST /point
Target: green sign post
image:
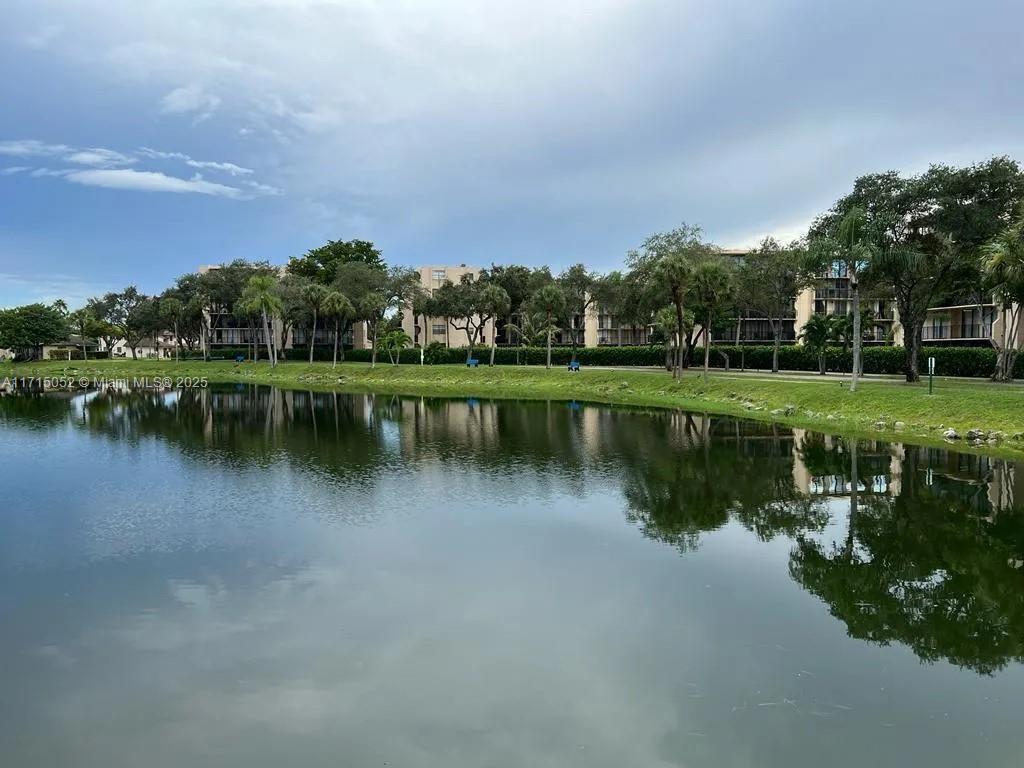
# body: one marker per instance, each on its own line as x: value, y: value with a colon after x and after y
x: 931, y: 373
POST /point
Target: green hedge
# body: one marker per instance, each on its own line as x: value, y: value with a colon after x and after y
x: 949, y: 361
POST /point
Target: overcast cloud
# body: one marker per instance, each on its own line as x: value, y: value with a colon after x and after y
x: 466, y: 131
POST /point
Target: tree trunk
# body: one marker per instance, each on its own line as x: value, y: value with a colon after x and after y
x: 270, y: 342
x: 312, y: 337
x: 707, y: 353
x: 912, y: 344
x: 821, y: 363
x: 373, y: 351
x: 135, y: 355
x: 334, y: 362
x: 549, y: 341
x: 777, y: 343
x: 678, y: 372
x: 494, y: 340
x: 857, y: 341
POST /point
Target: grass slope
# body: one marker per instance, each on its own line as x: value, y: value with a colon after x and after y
x: 823, y: 404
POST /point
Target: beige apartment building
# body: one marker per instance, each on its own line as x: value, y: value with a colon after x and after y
x: 230, y: 332
x: 962, y: 323
x: 426, y: 330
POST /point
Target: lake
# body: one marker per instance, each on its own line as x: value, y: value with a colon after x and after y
x: 244, y: 576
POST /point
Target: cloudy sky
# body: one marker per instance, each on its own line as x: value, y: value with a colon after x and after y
x: 140, y: 140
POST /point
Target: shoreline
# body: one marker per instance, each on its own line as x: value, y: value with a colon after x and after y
x: 880, y: 409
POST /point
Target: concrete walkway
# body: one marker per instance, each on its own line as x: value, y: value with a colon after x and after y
x: 753, y: 374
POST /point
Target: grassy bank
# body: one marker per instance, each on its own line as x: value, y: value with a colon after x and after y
x: 823, y: 404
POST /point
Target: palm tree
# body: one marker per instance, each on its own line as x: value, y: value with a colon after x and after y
x: 712, y: 288
x: 336, y: 305
x: 855, y: 246
x: 665, y: 321
x: 1004, y: 267
x: 83, y: 321
x: 495, y: 303
x: 530, y: 329
x: 818, y: 332
x: 313, y: 295
x: 550, y: 300
x: 393, y: 343
x: 674, y: 271
x: 260, y: 296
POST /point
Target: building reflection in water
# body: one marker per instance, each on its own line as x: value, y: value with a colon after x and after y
x: 902, y: 544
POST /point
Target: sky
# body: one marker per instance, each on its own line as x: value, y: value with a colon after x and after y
x: 139, y: 141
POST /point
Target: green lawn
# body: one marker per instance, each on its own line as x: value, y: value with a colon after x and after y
x: 826, y: 404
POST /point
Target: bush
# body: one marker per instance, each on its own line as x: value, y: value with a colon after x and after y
x: 976, y: 362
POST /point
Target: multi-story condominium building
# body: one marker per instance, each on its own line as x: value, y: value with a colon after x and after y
x: 425, y: 330
x: 230, y: 331
x: 963, y: 322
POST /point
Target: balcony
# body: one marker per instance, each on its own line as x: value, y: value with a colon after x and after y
x: 956, y: 332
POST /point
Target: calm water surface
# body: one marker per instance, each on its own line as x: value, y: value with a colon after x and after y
x: 251, y: 577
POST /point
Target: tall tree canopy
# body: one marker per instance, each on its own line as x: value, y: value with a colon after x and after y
x: 321, y: 264
x: 769, y: 280
x: 25, y: 329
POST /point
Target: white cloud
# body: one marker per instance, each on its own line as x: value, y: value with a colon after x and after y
x: 106, y: 171
x: 159, y: 155
x: 263, y: 189
x: 151, y: 181
x: 31, y: 148
x: 187, y: 99
x: 39, y: 173
x: 99, y: 157
x: 231, y: 168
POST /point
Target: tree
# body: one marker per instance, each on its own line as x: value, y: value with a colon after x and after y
x: 666, y: 322
x: 549, y: 300
x: 579, y: 286
x: 133, y: 314
x: 393, y: 342
x: 260, y: 295
x: 83, y: 322
x: 375, y: 293
x: 849, y: 245
x: 218, y: 290
x: 494, y: 303
x: 1004, y: 270
x: 713, y: 289
x: 181, y: 311
x: 462, y: 306
x: 314, y: 295
x: 338, y: 307
x: 927, y: 233
x: 26, y: 329
x: 818, y: 332
x: 771, y: 277
x: 666, y: 262
x: 321, y: 264
x: 170, y: 310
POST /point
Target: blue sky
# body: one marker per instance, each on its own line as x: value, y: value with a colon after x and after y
x: 140, y: 140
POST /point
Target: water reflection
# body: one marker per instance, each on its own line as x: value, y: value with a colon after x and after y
x: 930, y: 557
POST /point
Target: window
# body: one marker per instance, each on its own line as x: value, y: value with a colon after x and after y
x: 438, y: 329
x: 439, y: 276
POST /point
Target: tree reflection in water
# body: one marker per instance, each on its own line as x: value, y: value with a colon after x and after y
x: 930, y: 546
